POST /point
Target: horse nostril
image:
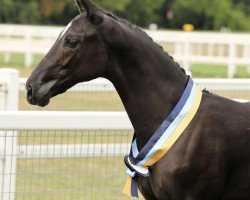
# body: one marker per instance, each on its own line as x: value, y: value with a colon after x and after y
x: 29, y: 93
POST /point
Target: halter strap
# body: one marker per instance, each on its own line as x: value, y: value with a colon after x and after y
x: 163, y: 139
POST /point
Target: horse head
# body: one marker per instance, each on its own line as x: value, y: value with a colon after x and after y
x: 79, y: 54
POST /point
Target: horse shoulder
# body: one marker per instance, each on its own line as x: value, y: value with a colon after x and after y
x: 197, y: 166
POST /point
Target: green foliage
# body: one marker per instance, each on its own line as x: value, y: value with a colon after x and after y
x: 210, y: 15
x: 142, y: 12
x: 16, y: 11
x: 113, y: 5
x: 204, y: 14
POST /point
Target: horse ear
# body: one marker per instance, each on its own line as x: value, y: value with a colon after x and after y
x: 94, y: 13
x: 80, y: 7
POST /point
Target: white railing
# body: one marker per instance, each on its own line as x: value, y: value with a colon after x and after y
x: 12, y: 121
x: 223, y: 84
x: 9, y: 89
x: 10, y: 85
x: 100, y: 85
x: 21, y: 120
x: 27, y: 40
x: 9, y: 95
x: 229, y: 49
x: 238, y: 89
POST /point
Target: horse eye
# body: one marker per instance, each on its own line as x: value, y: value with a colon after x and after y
x: 71, y: 42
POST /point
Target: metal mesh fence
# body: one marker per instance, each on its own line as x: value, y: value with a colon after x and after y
x: 63, y: 164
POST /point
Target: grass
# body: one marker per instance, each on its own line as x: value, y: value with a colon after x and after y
x: 80, y: 101
x: 89, y: 178
x: 73, y: 137
x: 17, y: 61
x: 217, y: 71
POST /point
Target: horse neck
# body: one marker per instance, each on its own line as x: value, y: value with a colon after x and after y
x: 149, y: 85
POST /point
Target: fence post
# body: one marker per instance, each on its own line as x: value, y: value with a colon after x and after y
x: 246, y: 56
x: 231, y: 64
x: 28, y: 52
x: 8, y: 139
x: 186, y: 53
x: 7, y: 39
x: 12, y: 94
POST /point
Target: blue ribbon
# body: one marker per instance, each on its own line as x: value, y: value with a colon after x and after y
x: 136, y: 157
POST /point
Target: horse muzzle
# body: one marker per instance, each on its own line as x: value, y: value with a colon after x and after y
x: 38, y: 94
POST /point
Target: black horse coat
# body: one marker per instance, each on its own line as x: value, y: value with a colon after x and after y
x: 211, y: 160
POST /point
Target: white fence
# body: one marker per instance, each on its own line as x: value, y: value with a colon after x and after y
x: 231, y: 49
x: 12, y: 121
x: 9, y: 94
x: 10, y: 85
x: 224, y: 84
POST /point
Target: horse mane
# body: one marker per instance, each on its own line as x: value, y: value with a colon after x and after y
x: 135, y: 27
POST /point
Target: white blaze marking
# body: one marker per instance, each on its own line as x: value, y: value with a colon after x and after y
x: 65, y: 30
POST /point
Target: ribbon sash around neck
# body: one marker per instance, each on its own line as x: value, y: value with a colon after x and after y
x: 163, y: 139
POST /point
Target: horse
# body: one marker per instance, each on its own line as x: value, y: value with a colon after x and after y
x: 211, y: 158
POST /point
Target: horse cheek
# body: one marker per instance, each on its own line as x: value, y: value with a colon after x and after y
x: 94, y: 68
x: 66, y: 57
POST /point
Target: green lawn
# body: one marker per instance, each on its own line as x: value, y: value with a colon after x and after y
x: 73, y: 137
x: 17, y: 61
x: 216, y: 71
x: 78, y: 101
x: 89, y: 178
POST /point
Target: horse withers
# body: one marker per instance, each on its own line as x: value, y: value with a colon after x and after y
x: 211, y: 158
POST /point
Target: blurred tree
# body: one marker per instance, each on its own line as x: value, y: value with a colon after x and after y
x: 210, y: 14
x: 166, y: 14
x: 140, y: 12
x: 243, y: 5
x: 5, y: 6
x: 57, y: 11
x: 16, y: 11
x: 113, y: 5
x: 204, y: 14
x: 143, y: 12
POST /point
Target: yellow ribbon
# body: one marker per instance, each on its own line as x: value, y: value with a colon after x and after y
x: 171, y: 140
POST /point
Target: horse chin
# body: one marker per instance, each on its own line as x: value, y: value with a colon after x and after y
x: 41, y: 101
x: 44, y: 103
x: 46, y: 98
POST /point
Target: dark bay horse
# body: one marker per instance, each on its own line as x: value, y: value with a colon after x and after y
x: 210, y: 160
